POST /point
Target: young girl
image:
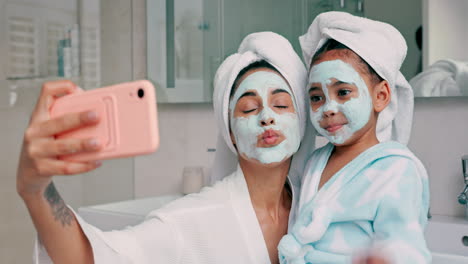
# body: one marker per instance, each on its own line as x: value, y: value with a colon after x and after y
x: 360, y: 192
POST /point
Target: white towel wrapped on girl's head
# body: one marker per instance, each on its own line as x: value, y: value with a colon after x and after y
x: 383, y: 47
x: 443, y: 78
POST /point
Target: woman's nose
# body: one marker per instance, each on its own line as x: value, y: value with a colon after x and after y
x: 329, y: 113
x: 267, y: 122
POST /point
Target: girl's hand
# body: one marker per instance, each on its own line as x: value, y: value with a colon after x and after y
x: 370, y: 260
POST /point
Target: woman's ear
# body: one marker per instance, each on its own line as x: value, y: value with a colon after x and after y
x: 232, y: 138
x: 381, y: 96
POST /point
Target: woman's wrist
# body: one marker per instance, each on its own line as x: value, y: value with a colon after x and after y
x: 31, y: 191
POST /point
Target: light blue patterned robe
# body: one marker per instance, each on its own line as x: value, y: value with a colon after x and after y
x: 379, y: 200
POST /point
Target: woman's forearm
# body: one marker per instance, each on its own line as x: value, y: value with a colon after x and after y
x: 58, y: 228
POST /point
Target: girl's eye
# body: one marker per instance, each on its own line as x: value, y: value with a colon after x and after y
x: 344, y: 92
x: 315, y: 98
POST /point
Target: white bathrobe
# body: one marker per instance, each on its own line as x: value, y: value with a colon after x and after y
x: 217, y: 225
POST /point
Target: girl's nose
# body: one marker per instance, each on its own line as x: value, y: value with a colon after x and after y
x: 330, y: 109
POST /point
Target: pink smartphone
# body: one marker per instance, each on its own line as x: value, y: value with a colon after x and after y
x: 128, y: 120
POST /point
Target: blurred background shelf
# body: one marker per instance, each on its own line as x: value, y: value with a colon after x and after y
x: 49, y: 40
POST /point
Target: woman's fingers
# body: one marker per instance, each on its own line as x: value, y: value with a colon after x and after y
x: 49, y: 167
x: 56, y: 89
x: 48, y: 148
x: 79, y: 90
x: 50, y: 91
x: 38, y: 159
x: 62, y: 124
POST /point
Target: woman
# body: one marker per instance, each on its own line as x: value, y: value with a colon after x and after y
x: 239, y: 220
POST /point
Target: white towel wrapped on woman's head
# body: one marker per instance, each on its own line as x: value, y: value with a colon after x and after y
x: 383, y: 47
x: 275, y: 50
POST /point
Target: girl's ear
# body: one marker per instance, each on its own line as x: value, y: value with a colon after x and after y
x: 381, y: 96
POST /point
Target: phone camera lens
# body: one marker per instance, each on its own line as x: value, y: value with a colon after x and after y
x: 141, y: 93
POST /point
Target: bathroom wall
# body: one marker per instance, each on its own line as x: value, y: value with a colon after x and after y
x: 439, y: 139
x: 16, y: 230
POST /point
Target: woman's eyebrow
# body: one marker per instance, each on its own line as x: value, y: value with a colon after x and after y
x: 277, y: 91
x: 248, y: 93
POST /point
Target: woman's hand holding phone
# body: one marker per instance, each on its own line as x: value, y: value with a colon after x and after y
x: 39, y: 154
x: 69, y: 130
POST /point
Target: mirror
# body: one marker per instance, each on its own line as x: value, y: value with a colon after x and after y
x: 188, y: 39
x: 445, y: 54
x: 176, y: 32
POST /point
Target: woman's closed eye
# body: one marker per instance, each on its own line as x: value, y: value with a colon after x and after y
x: 282, y: 102
x: 249, y: 110
x: 248, y: 104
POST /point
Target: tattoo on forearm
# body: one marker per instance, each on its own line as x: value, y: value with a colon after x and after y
x: 60, y: 210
